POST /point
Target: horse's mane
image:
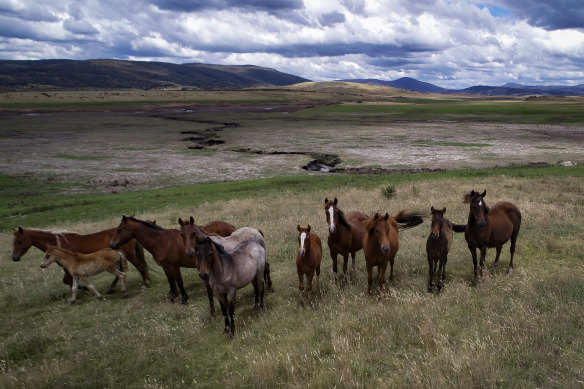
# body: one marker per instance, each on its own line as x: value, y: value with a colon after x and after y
x: 147, y: 224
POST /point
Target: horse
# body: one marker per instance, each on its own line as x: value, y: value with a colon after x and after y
x: 218, y: 227
x: 381, y: 242
x: 437, y: 247
x: 308, y: 257
x: 345, y: 233
x: 85, y: 244
x: 489, y: 227
x: 230, y: 270
x: 81, y: 266
x: 229, y: 241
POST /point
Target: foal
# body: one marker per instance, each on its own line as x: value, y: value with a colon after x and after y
x: 437, y: 247
x: 308, y: 257
x: 81, y: 266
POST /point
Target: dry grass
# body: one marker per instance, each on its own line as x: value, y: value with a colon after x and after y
x: 521, y: 330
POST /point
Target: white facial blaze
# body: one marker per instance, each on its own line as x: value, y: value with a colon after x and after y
x: 480, y: 203
x: 332, y: 212
x: 302, y: 238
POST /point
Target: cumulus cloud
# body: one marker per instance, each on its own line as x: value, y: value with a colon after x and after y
x: 450, y: 43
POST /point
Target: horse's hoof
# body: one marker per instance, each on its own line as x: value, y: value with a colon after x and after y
x: 509, y: 270
x: 430, y: 290
x: 124, y: 295
x: 109, y: 291
x: 70, y: 302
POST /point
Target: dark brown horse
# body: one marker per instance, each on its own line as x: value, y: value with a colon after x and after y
x: 230, y: 270
x: 489, y: 227
x: 381, y: 242
x: 84, y: 244
x: 437, y: 247
x: 345, y: 233
x: 213, y: 227
x: 308, y: 257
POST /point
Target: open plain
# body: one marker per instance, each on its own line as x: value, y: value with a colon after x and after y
x: 78, y: 161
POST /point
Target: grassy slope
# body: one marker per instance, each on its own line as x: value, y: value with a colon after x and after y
x: 522, y: 330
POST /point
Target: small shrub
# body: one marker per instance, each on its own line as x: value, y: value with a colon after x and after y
x: 388, y: 191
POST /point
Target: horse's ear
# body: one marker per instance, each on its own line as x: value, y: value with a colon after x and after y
x: 386, y: 216
x: 443, y: 210
x: 308, y: 228
x: 192, y: 220
x: 335, y: 202
x: 20, y: 230
x: 326, y: 200
x: 180, y: 221
x: 432, y: 209
x: 298, y: 227
x: 484, y: 194
x: 124, y: 218
x: 472, y: 193
x: 376, y: 216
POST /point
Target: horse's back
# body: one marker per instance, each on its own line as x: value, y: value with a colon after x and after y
x: 238, y: 236
x: 505, y: 220
x: 249, y: 262
x: 218, y: 227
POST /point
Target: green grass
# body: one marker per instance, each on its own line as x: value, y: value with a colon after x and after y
x: 518, y: 330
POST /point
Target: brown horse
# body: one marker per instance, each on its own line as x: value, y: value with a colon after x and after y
x: 228, y: 241
x: 85, y: 244
x: 214, y: 227
x: 82, y: 266
x: 230, y: 270
x: 437, y: 247
x: 308, y: 257
x: 489, y: 227
x: 345, y: 233
x: 381, y: 242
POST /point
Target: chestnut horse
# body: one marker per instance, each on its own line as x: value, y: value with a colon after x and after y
x: 345, y: 233
x: 228, y: 241
x: 437, y: 247
x: 308, y: 257
x: 230, y: 270
x: 381, y: 242
x: 81, y: 266
x: 85, y: 244
x: 489, y: 227
x: 214, y: 227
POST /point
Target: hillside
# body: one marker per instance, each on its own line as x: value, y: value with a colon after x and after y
x: 115, y: 74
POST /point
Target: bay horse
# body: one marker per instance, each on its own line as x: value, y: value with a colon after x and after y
x: 228, y: 241
x: 308, y: 257
x: 230, y: 270
x: 24, y: 239
x: 437, y: 248
x: 218, y: 227
x: 345, y: 233
x: 489, y: 227
x: 82, y: 266
x: 381, y: 242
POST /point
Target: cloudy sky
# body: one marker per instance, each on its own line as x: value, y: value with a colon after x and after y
x: 450, y: 43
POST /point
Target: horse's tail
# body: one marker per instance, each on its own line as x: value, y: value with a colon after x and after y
x: 123, y: 262
x: 408, y: 219
x: 267, y: 278
x: 458, y: 227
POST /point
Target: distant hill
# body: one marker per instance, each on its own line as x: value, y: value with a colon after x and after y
x: 503, y: 90
x: 114, y: 74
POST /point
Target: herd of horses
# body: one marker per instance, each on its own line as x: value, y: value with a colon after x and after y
x: 228, y: 259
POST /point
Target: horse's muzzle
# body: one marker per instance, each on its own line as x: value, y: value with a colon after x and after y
x: 332, y: 230
x: 190, y: 253
x: 15, y: 258
x: 435, y: 235
x: 43, y: 266
x: 301, y: 252
x: 385, y: 249
x: 481, y: 223
x: 114, y: 245
x: 204, y: 277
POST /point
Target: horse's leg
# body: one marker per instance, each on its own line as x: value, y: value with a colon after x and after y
x: 309, y: 278
x: 256, y: 292
x: 334, y: 258
x: 430, y: 273
x: 172, y: 294
x: 232, y: 310
x: 381, y: 275
x: 369, y: 277
x: 353, y: 255
x: 261, y: 285
x: 179, y: 281
x: 68, y: 280
x: 112, y: 286
x: 210, y: 296
x: 300, y: 279
x: 318, y: 276
x: 512, y: 249
x: 92, y: 287
x: 498, y: 253
x: 223, y: 302
x: 345, y: 262
x: 267, y: 278
x: 482, y: 260
x: 391, y: 269
x: 473, y: 253
x: 135, y: 255
x: 442, y: 274
x: 74, y: 287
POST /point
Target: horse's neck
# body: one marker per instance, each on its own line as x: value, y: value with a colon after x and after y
x: 41, y: 239
x: 149, y: 237
x: 219, y: 264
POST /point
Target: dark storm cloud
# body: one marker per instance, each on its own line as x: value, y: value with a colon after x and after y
x: 551, y: 15
x: 331, y: 18
x: 199, y: 5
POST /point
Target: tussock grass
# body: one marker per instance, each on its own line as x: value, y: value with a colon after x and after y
x: 518, y: 330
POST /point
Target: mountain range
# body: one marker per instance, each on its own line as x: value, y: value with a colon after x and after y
x: 503, y: 90
x: 58, y: 74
